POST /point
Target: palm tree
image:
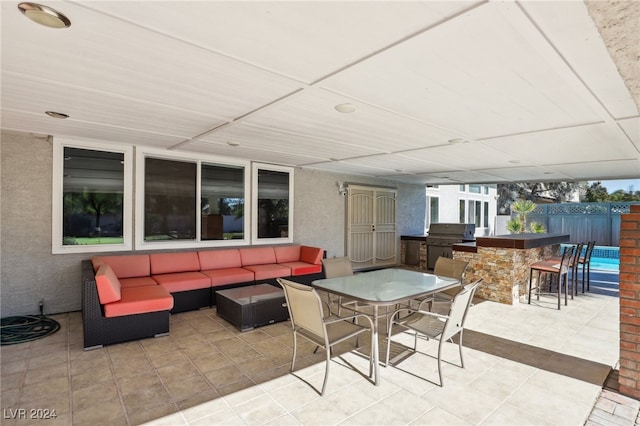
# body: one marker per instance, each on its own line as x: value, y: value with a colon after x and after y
x: 523, y: 208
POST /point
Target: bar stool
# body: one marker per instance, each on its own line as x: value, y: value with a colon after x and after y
x: 554, y: 270
x: 585, y: 261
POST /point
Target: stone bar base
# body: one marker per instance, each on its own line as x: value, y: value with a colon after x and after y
x: 504, y: 271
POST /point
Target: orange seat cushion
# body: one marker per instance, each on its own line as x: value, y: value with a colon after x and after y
x: 109, y: 289
x: 229, y: 276
x: 183, y: 281
x: 302, y: 268
x: 168, y: 263
x: 137, y: 282
x: 311, y: 255
x: 219, y: 259
x: 126, y: 266
x: 287, y: 253
x: 265, y: 272
x: 140, y: 300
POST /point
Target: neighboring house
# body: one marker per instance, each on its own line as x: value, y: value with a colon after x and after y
x: 472, y: 203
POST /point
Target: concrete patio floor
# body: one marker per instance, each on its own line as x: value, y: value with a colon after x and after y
x: 524, y: 365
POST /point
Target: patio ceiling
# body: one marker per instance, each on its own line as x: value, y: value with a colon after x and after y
x: 444, y: 92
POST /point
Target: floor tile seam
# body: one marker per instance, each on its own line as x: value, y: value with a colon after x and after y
x: 377, y: 401
x: 273, y: 401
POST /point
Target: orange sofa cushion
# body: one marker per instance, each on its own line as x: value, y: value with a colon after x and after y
x: 257, y: 256
x: 108, y: 285
x: 140, y: 300
x: 126, y: 266
x: 183, y: 281
x: 219, y: 259
x: 287, y: 253
x: 311, y: 255
x: 229, y: 276
x: 137, y: 282
x: 272, y: 270
x: 302, y: 268
x: 167, y: 263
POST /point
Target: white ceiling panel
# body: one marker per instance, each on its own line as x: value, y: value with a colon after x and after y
x: 328, y: 34
x: 33, y: 95
x: 604, y: 169
x: 109, y: 55
x: 312, y: 112
x: 263, y: 155
x: 256, y: 137
x: 631, y: 128
x: 486, y: 73
x: 529, y: 85
x: 40, y: 123
x: 597, y: 142
x: 575, y: 36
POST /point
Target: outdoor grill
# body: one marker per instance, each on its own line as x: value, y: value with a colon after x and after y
x: 443, y: 235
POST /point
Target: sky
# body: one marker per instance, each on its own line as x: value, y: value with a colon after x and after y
x: 624, y: 184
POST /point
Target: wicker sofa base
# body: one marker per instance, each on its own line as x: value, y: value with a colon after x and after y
x: 100, y: 330
x: 191, y: 300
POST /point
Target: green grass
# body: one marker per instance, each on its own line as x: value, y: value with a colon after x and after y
x: 94, y: 240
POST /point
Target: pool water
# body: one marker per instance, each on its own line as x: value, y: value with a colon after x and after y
x: 605, y: 258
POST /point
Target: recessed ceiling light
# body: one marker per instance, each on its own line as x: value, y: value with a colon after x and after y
x: 233, y: 144
x: 345, y: 108
x: 457, y: 140
x: 514, y: 161
x: 44, y: 15
x: 57, y: 115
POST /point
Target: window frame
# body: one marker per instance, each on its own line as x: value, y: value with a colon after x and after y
x: 57, y: 204
x: 141, y: 244
x: 255, y: 167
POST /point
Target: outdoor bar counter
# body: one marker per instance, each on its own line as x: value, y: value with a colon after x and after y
x: 503, y: 262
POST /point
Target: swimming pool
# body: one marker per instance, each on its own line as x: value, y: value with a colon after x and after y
x: 604, y: 258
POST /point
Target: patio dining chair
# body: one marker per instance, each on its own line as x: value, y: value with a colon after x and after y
x: 445, y: 267
x: 339, y: 267
x: 555, y: 271
x: 309, y: 320
x: 436, y: 326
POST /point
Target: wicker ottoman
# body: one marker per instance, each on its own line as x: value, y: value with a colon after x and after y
x: 252, y: 306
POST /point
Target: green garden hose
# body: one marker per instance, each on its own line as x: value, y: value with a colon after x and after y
x: 20, y: 329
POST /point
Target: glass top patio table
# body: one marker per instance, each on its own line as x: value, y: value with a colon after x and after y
x: 386, y: 286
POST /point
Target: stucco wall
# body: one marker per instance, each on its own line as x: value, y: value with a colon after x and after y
x: 29, y: 272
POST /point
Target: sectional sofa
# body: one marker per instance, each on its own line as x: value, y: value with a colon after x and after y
x: 128, y: 297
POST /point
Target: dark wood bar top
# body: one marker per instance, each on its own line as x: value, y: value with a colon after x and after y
x: 515, y: 241
x: 522, y: 241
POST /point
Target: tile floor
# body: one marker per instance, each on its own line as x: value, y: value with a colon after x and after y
x: 525, y: 365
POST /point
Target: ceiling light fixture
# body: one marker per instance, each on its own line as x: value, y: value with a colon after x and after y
x: 345, y: 108
x: 44, y: 15
x: 233, y: 144
x: 59, y: 115
x: 514, y: 161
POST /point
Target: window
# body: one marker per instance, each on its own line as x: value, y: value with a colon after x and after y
x: 273, y: 198
x: 433, y: 210
x: 169, y: 200
x: 461, y: 188
x: 461, y: 210
x: 475, y: 212
x: 93, y: 202
x: 222, y: 202
x: 475, y: 189
x: 184, y: 202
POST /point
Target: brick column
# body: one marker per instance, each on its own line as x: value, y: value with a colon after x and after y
x: 629, y: 379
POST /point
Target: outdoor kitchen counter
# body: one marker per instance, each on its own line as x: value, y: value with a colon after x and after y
x: 503, y: 262
x: 515, y: 241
